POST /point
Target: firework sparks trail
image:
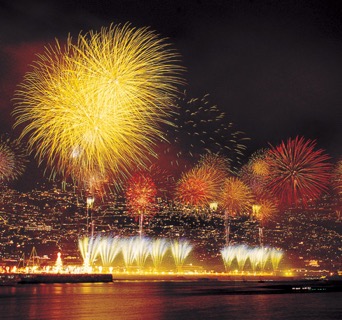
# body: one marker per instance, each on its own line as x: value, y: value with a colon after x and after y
x: 201, y: 128
x: 263, y: 210
x: 228, y: 254
x: 241, y: 255
x: 258, y: 257
x: 276, y: 255
x: 97, y: 104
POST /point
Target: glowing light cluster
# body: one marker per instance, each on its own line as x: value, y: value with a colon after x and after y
x: 257, y: 258
x: 95, y: 105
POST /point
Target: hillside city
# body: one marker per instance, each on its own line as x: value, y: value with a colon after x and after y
x: 50, y: 220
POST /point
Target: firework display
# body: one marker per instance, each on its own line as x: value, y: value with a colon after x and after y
x: 256, y: 172
x: 142, y: 251
x: 12, y: 159
x: 299, y: 172
x: 107, y: 251
x: 105, y: 110
x: 97, y: 104
x: 89, y: 249
x: 128, y: 251
x: 257, y: 258
x: 201, y: 185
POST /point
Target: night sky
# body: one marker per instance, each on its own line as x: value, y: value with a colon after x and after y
x: 275, y: 67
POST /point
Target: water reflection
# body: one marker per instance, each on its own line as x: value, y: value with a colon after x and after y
x: 158, y: 300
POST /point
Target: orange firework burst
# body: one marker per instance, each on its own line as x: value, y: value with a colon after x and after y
x: 299, y: 172
x: 201, y: 185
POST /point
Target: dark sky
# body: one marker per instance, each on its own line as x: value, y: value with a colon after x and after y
x: 275, y: 67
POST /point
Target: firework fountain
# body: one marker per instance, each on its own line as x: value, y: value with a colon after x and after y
x: 89, y: 249
x: 109, y: 248
x: 257, y: 258
x: 158, y: 249
x: 180, y: 250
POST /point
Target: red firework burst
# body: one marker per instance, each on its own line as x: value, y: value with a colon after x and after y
x: 299, y: 172
x: 141, y: 194
x: 201, y: 185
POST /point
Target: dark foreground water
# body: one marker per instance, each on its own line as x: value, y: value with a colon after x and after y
x: 160, y: 300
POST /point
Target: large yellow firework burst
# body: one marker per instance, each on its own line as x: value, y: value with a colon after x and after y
x: 97, y: 103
